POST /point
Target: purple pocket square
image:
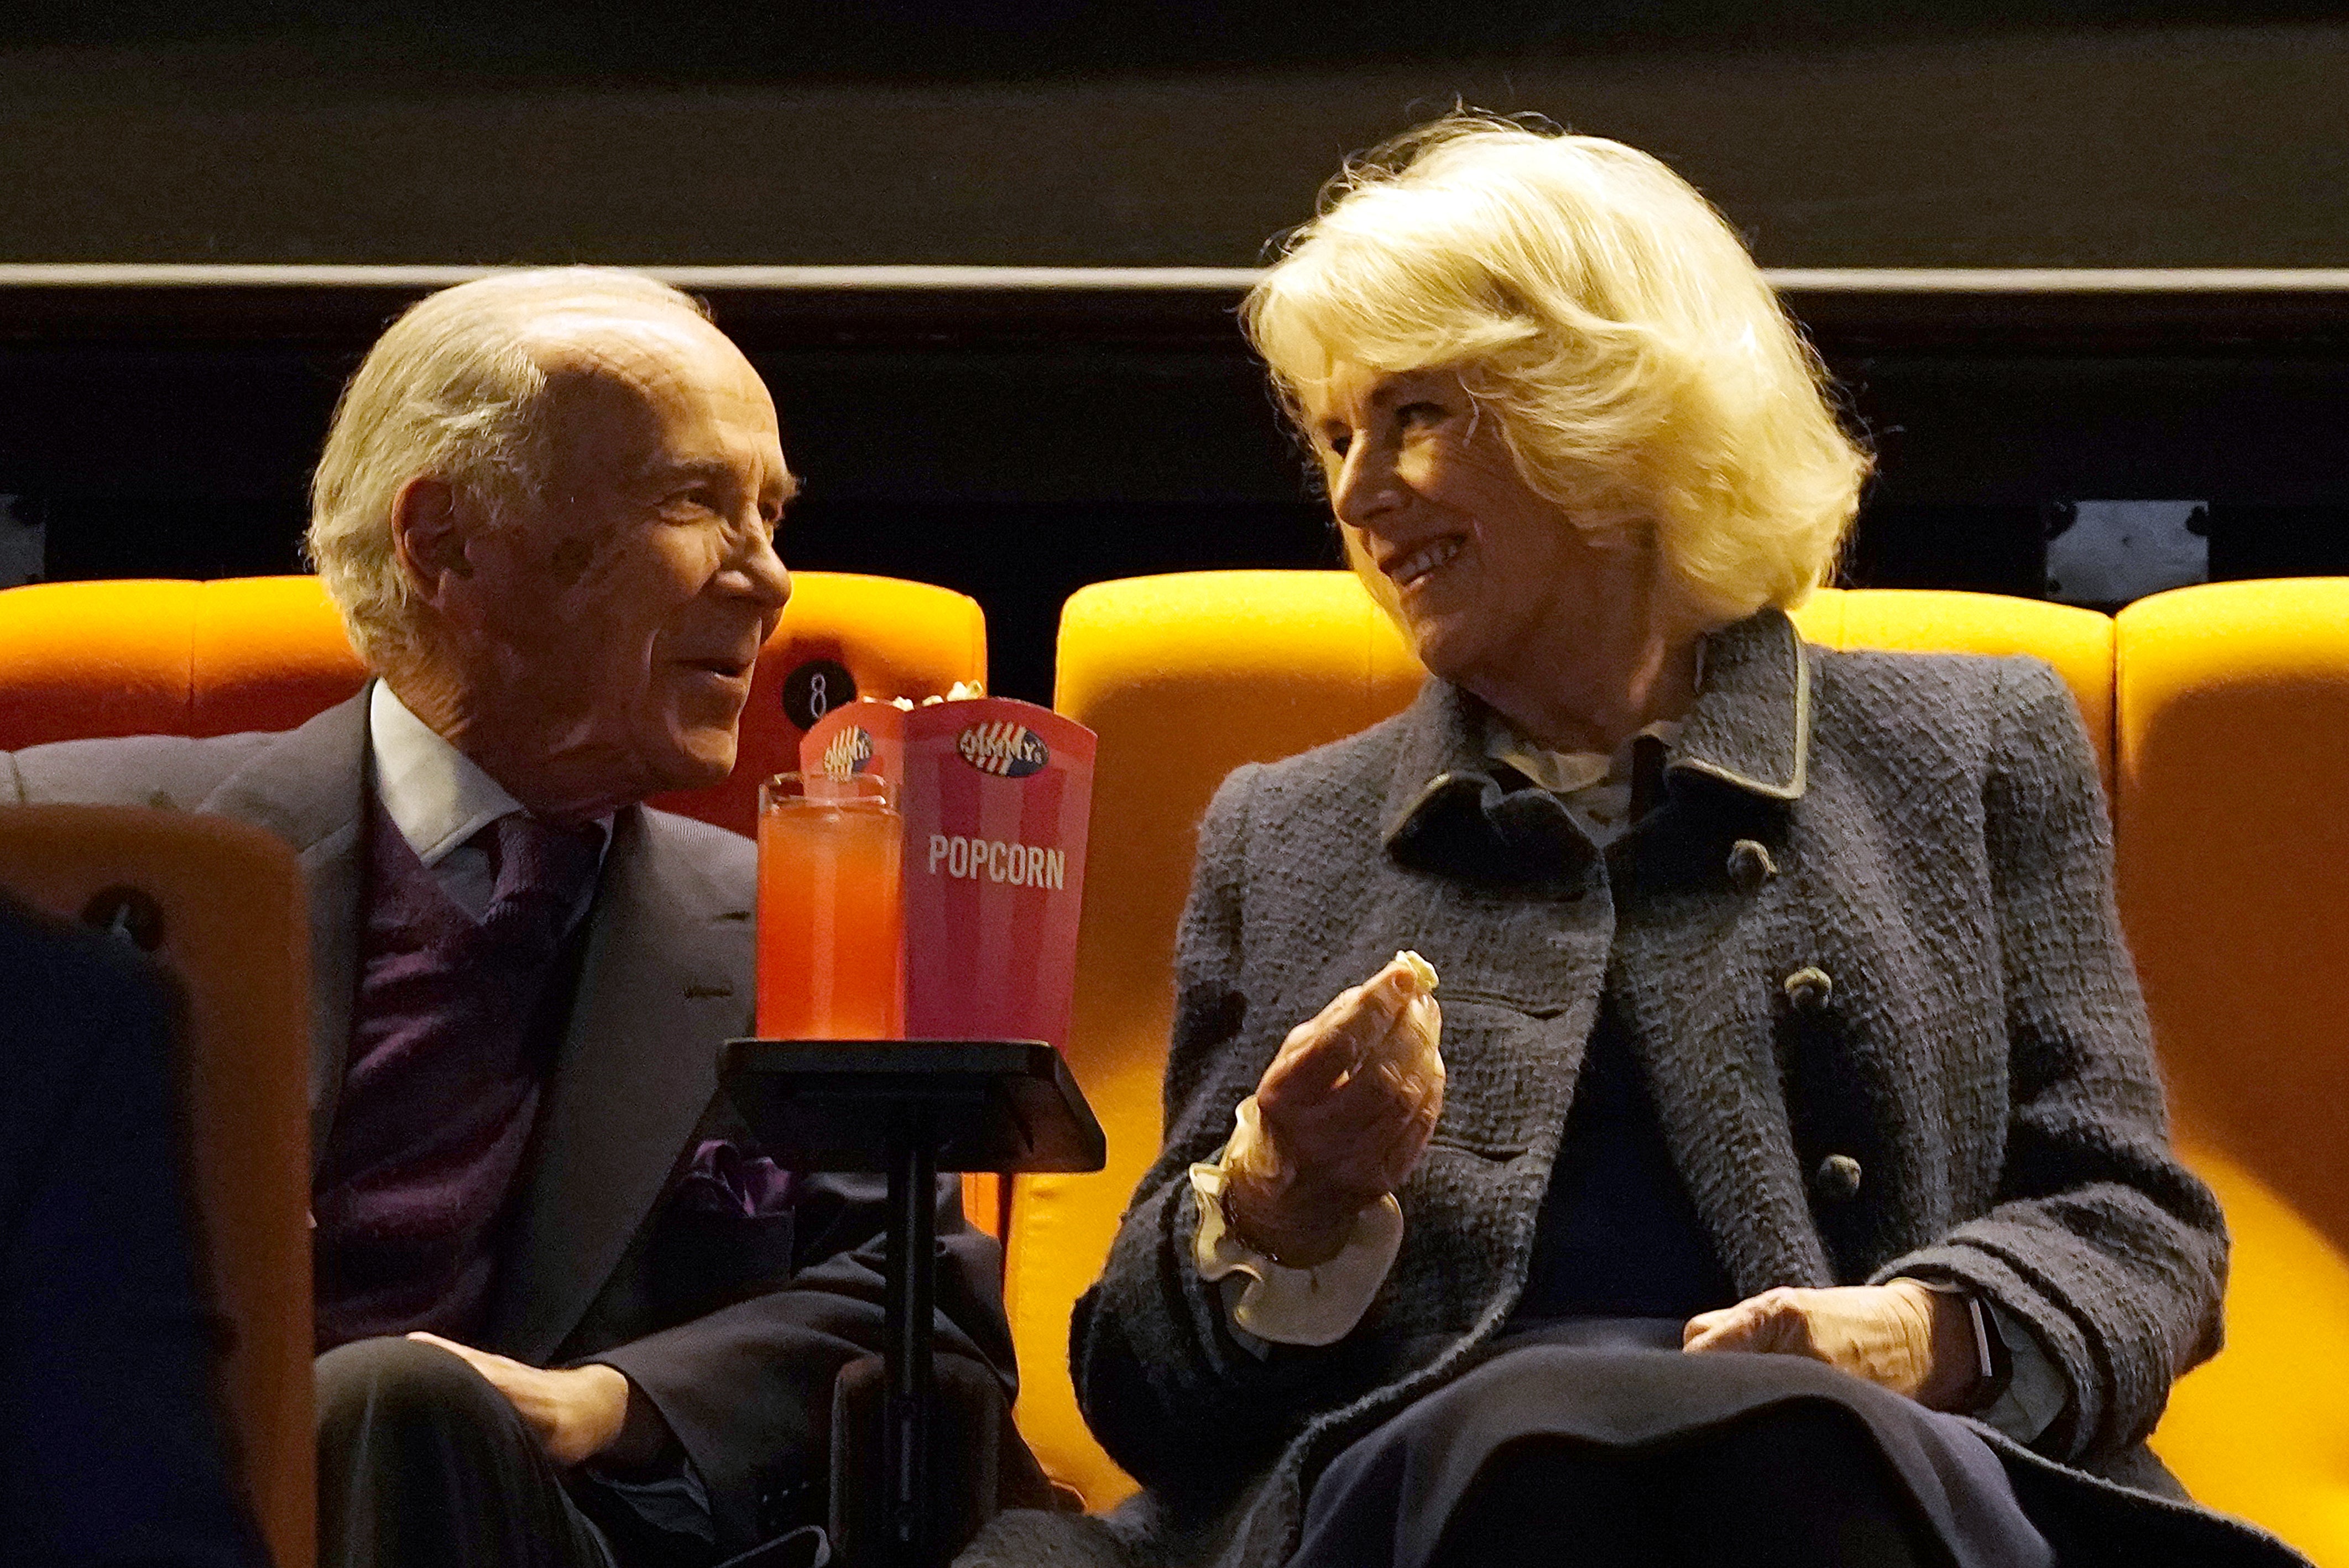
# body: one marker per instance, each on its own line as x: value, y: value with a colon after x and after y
x: 724, y: 1180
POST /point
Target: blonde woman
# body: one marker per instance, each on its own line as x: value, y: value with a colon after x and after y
x: 1735, y: 1137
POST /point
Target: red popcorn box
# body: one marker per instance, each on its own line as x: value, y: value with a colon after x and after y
x: 996, y: 797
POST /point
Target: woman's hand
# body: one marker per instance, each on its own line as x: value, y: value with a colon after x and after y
x: 1343, y: 1114
x: 1901, y: 1336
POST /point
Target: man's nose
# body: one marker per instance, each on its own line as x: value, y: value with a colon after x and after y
x: 758, y: 564
x: 771, y: 580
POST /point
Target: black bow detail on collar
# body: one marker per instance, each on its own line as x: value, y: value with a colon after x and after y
x: 1468, y: 823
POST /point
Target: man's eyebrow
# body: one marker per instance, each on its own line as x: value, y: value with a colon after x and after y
x: 714, y: 470
x: 691, y: 471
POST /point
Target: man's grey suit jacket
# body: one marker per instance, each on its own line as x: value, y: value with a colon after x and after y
x: 597, y: 1260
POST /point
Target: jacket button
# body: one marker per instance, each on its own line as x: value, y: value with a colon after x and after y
x: 1749, y: 866
x: 1837, y: 1179
x: 1808, y: 989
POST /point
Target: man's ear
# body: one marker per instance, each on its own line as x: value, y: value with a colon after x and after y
x: 429, y: 531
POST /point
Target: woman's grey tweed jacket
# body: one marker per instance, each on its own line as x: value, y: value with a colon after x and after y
x: 1926, y: 831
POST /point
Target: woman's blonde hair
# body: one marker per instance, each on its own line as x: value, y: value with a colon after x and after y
x: 454, y: 390
x: 1643, y: 370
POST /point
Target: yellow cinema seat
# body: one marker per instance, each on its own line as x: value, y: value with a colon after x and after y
x: 1187, y: 677
x: 2234, y: 825
x: 1184, y: 678
x: 247, y: 1036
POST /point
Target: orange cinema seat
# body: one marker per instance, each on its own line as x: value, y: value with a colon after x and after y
x: 2233, y: 823
x: 1187, y: 677
x: 84, y: 660
x: 246, y: 1032
x: 87, y: 660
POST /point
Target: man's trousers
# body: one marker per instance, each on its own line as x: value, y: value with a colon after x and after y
x: 422, y: 1463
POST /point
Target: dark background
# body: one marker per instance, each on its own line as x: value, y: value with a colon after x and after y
x: 1018, y: 444
x: 1838, y: 132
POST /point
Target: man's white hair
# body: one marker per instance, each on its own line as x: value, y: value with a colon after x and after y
x: 453, y: 390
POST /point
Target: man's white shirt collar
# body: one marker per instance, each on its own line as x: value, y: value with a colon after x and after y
x: 435, y: 795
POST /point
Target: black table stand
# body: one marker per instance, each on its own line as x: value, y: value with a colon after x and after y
x: 912, y: 1269
x: 912, y: 1109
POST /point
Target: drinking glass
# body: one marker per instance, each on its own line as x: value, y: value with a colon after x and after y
x: 830, y: 909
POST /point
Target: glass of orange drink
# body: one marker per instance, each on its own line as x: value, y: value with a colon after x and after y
x: 830, y: 909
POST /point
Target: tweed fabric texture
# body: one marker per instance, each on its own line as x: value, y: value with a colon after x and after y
x: 1925, y: 830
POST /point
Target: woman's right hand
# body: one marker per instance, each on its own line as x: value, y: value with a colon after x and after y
x: 1343, y: 1114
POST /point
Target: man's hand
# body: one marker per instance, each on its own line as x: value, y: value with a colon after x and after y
x: 1901, y: 1336
x: 1346, y: 1109
x: 576, y: 1411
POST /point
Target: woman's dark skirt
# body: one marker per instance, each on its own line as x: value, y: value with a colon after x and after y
x: 1598, y: 1392
x: 1621, y: 1390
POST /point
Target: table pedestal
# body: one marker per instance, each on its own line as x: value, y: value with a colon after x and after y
x: 911, y: 1109
x: 913, y: 1256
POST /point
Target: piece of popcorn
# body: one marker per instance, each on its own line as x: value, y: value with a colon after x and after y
x: 1421, y: 969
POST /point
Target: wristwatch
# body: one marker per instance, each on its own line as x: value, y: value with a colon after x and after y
x: 1993, y: 1363
x: 1991, y: 1358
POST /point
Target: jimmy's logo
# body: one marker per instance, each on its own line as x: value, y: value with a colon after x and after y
x: 1009, y: 749
x: 850, y: 752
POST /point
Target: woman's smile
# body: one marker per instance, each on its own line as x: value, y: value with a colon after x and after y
x: 1411, y: 569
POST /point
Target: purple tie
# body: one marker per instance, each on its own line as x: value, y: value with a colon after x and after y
x: 543, y: 873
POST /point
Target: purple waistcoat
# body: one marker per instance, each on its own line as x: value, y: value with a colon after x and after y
x: 453, y: 1037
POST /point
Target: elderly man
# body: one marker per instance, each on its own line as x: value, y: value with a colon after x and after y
x: 568, y: 1314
